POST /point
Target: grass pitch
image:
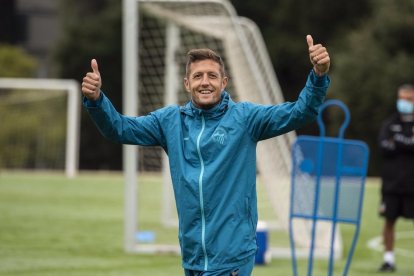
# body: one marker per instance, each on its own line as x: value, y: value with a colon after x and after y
x: 50, y: 225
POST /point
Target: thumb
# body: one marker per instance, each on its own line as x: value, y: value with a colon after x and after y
x: 309, y: 40
x: 94, y: 65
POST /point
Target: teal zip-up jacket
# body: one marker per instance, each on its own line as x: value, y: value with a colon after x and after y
x: 212, y: 157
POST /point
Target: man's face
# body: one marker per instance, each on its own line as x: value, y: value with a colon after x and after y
x: 205, y: 83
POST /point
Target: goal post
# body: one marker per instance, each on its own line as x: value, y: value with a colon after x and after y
x: 157, y: 35
x: 72, y: 90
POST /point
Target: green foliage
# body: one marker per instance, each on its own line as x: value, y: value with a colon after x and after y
x: 285, y: 24
x: 370, y: 65
x: 33, y: 129
x: 28, y: 136
x: 92, y: 29
x: 14, y: 62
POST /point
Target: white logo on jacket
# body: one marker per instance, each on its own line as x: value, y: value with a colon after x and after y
x: 220, y: 136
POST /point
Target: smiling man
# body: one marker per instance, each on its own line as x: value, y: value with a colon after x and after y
x: 211, y: 144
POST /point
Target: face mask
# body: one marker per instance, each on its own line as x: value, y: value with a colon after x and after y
x: 405, y: 107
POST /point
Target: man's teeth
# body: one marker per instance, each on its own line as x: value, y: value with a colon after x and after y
x: 205, y: 91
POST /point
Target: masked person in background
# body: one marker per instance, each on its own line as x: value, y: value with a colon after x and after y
x: 396, y: 141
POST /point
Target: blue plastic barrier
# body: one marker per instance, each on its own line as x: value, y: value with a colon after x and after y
x: 328, y: 179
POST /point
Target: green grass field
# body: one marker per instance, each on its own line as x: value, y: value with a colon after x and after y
x: 50, y: 225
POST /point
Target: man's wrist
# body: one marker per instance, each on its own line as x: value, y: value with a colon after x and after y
x: 319, y: 81
x: 93, y: 102
x: 318, y: 73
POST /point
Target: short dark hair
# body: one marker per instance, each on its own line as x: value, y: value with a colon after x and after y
x: 406, y: 86
x: 203, y: 54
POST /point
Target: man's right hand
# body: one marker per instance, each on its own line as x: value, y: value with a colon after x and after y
x: 92, y: 82
x: 319, y: 57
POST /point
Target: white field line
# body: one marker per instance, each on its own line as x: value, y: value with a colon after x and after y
x: 375, y: 244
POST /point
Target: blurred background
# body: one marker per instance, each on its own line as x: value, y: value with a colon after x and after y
x: 371, y: 44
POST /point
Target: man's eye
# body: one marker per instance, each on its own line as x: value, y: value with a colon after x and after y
x: 213, y: 76
x: 197, y: 76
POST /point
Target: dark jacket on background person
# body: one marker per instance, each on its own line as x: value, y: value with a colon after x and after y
x: 396, y: 141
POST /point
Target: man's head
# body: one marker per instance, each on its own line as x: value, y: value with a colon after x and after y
x: 205, y: 77
x: 405, y: 101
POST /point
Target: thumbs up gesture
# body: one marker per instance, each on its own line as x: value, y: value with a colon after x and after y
x: 319, y: 57
x: 92, y: 82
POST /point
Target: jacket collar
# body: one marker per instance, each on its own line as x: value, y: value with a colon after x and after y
x: 217, y: 110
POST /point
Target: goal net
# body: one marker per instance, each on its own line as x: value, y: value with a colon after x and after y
x: 39, y: 127
x: 155, y: 60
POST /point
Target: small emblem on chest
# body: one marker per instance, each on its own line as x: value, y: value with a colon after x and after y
x: 220, y: 136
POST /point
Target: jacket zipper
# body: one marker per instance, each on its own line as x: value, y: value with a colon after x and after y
x: 200, y: 188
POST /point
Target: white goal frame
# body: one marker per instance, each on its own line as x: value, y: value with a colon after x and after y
x: 72, y: 89
x: 244, y: 30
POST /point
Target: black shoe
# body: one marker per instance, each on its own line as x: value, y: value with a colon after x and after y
x: 387, y: 267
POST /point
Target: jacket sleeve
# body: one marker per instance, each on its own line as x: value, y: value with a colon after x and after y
x: 267, y: 121
x: 143, y: 130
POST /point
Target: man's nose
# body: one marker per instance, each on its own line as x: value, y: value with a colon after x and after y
x: 204, y: 80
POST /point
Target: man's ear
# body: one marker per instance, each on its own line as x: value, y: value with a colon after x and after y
x: 224, y: 83
x: 187, y: 85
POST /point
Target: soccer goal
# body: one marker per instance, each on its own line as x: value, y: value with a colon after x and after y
x: 157, y: 36
x: 39, y: 127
